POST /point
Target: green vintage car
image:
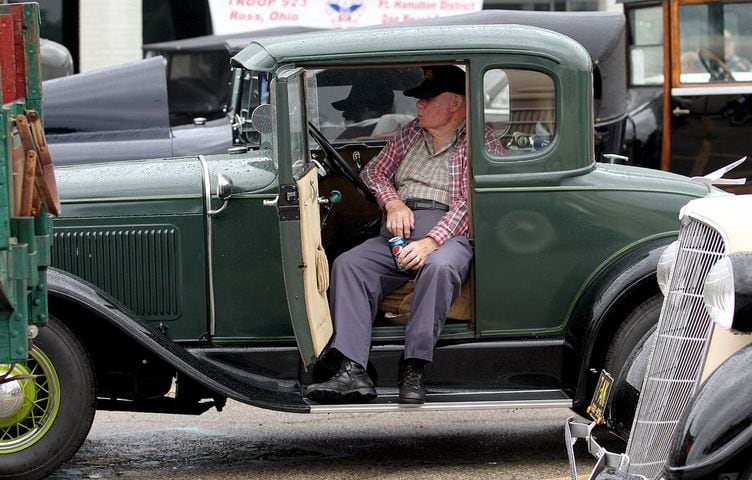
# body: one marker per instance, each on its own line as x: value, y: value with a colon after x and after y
x: 182, y: 282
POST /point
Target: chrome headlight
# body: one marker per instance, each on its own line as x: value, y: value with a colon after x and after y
x: 666, y: 266
x: 728, y: 292
x: 719, y: 293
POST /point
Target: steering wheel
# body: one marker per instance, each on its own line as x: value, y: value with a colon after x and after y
x: 334, y: 162
x: 717, y: 68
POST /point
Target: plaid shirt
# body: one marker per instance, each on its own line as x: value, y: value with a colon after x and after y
x: 379, y: 173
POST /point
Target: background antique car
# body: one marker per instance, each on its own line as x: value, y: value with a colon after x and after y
x: 693, y: 416
x: 690, y: 94
x: 112, y: 114
x: 713, y: 436
x: 182, y: 282
x: 172, y: 103
x: 198, y: 71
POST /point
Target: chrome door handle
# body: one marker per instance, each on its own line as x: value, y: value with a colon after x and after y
x: 680, y: 111
x: 271, y: 203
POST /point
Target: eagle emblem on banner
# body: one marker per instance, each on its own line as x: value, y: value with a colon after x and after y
x: 344, y: 10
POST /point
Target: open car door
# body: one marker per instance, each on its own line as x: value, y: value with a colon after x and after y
x: 304, y: 262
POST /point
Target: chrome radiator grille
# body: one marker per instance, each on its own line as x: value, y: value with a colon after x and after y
x: 679, y: 352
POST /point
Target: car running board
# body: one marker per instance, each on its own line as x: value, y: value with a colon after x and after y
x: 388, y: 401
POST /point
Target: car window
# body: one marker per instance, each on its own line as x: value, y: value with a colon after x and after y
x: 297, y: 123
x: 351, y: 105
x: 519, y: 106
x: 715, y: 43
x: 197, y: 85
x: 646, y: 46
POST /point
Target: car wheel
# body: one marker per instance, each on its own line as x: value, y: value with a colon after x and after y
x: 747, y: 475
x: 627, y: 361
x: 46, y: 413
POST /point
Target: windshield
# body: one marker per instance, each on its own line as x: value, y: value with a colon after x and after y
x: 197, y: 85
x: 715, y: 44
x: 361, y: 105
x: 348, y: 105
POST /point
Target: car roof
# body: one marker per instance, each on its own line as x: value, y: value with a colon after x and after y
x: 389, y: 44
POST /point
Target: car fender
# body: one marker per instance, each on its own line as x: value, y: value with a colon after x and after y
x: 66, y: 290
x: 610, y: 296
x: 716, y: 428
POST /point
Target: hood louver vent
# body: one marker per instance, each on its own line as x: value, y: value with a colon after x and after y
x: 136, y: 265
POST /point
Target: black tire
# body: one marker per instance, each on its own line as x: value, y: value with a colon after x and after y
x: 58, y: 410
x: 747, y: 475
x: 626, y: 361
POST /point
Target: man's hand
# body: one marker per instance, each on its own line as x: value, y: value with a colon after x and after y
x: 414, y: 255
x: 399, y: 218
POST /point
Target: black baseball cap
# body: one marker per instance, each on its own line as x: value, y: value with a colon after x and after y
x: 437, y: 80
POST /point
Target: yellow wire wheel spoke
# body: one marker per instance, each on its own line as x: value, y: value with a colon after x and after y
x: 29, y: 404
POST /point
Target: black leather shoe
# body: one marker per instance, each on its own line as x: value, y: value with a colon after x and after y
x: 410, y: 381
x: 351, y: 384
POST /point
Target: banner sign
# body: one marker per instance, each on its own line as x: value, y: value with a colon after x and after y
x: 232, y: 16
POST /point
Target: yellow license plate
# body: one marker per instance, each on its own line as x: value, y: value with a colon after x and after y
x: 597, y: 407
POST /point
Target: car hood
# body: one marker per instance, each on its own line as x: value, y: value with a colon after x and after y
x: 160, y: 179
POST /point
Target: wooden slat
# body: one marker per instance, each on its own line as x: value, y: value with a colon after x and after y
x: 20, y: 48
x: 7, y: 59
x: 17, y: 168
x: 28, y: 190
x: 45, y: 173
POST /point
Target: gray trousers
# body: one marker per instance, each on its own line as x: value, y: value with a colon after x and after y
x: 363, y: 275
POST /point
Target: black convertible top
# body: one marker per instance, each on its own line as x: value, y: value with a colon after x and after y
x: 599, y: 32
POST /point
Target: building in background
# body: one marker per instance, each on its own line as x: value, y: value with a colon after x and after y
x: 101, y: 33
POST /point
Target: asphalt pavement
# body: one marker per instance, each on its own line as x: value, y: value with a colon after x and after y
x: 246, y: 442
